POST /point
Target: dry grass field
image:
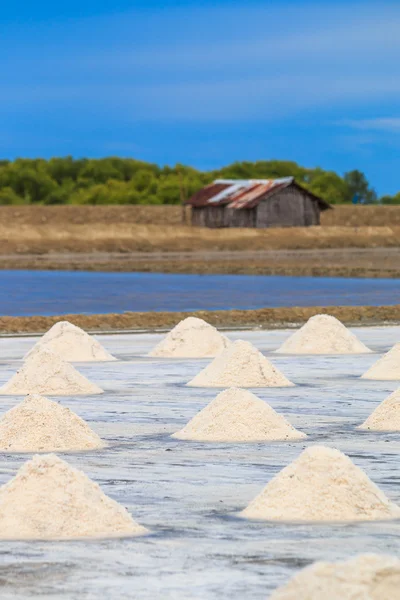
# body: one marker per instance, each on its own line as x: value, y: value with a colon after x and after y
x: 361, y: 216
x: 125, y: 237
x: 152, y: 238
x: 80, y: 215
x: 41, y: 229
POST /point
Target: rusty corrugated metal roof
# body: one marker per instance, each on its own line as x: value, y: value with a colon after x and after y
x: 243, y: 193
x: 237, y: 193
x: 203, y: 196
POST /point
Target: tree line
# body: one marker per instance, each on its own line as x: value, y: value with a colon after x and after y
x: 128, y: 181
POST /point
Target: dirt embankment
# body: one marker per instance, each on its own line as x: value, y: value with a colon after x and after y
x: 356, y: 262
x: 267, y: 318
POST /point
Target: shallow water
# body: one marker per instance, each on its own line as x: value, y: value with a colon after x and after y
x: 189, y: 493
x: 25, y: 293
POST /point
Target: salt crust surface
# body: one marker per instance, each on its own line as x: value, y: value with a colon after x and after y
x: 41, y: 425
x: 237, y: 415
x: 323, y: 334
x: 49, y: 499
x: 191, y: 338
x: 364, y: 577
x: 45, y: 372
x: 386, y: 417
x: 322, y: 484
x: 72, y: 344
x: 387, y: 367
x: 240, y: 365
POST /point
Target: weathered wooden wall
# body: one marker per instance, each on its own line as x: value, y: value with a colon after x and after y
x: 342, y: 215
x: 288, y: 208
x: 291, y: 207
x: 221, y: 216
x: 241, y: 218
x: 210, y: 216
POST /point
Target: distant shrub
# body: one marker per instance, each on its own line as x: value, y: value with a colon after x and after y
x: 115, y: 180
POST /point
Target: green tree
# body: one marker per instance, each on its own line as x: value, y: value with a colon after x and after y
x: 61, y: 169
x: 100, y: 171
x: 30, y: 183
x: 330, y: 187
x: 8, y: 196
x: 114, y: 180
x: 144, y: 181
x: 169, y: 189
x: 62, y: 193
x: 359, y: 187
x: 390, y: 199
x: 112, y: 192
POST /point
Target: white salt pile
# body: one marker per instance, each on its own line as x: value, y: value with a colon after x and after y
x: 364, y: 577
x: 49, y: 499
x: 41, y: 425
x: 237, y: 415
x: 387, y: 367
x: 240, y: 365
x: 386, y: 417
x: 323, y: 334
x: 322, y: 484
x: 72, y: 344
x: 191, y: 338
x: 46, y: 373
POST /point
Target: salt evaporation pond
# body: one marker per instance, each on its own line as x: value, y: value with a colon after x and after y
x: 24, y: 293
x: 189, y: 493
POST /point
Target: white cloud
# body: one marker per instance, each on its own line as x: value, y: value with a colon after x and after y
x: 346, y: 36
x: 215, y: 64
x: 388, y: 124
x: 262, y: 98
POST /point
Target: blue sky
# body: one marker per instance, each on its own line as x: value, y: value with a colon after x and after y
x: 205, y: 83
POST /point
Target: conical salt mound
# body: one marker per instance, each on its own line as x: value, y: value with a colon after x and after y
x: 364, y: 577
x: 191, y: 338
x: 323, y: 334
x: 387, y: 367
x: 237, y: 415
x: 49, y: 499
x: 322, y: 484
x: 240, y: 365
x: 45, y: 372
x: 386, y: 417
x: 72, y: 344
x: 41, y: 425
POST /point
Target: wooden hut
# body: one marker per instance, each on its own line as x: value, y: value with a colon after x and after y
x: 255, y: 203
